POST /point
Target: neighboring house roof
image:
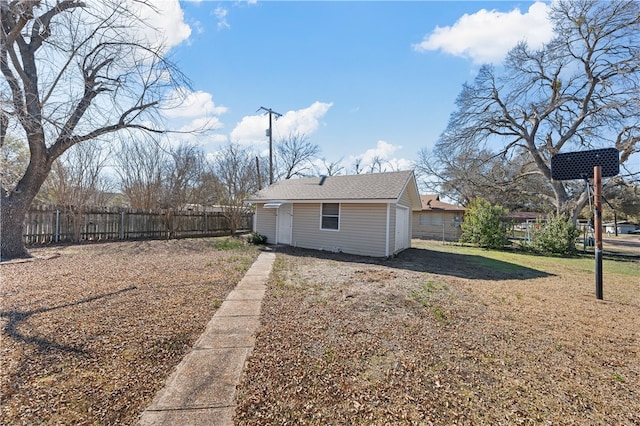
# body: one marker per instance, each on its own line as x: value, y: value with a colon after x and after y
x: 620, y: 223
x: 372, y: 187
x: 524, y: 216
x: 431, y: 202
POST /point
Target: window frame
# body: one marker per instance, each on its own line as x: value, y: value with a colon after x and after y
x: 323, y: 215
x: 429, y: 219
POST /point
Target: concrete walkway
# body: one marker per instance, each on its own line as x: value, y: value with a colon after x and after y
x: 202, y: 389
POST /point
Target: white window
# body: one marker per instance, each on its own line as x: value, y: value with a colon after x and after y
x: 330, y: 216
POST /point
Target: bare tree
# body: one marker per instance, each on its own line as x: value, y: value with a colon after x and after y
x: 579, y: 91
x: 140, y: 167
x: 206, y: 189
x: 14, y: 158
x: 181, y: 174
x: 72, y: 72
x: 481, y: 174
x: 295, y: 155
x: 331, y: 168
x: 77, y: 181
x: 377, y: 165
x: 77, y: 178
x: 357, y: 166
x: 235, y: 168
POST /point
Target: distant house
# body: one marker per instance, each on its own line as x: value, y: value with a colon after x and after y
x: 624, y: 227
x: 437, y: 219
x: 367, y: 214
x: 523, y: 219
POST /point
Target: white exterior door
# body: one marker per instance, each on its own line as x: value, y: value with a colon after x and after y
x: 402, y: 228
x: 284, y: 222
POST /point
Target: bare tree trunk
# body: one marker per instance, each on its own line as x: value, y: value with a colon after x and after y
x: 12, y: 228
x: 110, y: 88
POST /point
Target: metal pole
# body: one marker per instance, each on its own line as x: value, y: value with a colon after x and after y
x: 597, y: 204
x: 122, y: 225
x: 270, y: 151
x: 57, y: 226
x: 258, y: 172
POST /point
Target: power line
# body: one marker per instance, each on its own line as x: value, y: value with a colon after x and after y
x: 270, y: 134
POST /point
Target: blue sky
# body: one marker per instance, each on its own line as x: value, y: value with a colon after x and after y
x: 360, y: 79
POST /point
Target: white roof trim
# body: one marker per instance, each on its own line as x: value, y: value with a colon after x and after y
x: 273, y: 204
x: 327, y: 200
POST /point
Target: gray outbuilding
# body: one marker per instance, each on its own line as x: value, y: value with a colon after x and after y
x: 366, y: 214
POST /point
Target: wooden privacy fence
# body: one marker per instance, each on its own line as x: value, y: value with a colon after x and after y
x: 50, y: 224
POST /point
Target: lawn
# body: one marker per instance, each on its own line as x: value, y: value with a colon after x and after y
x: 444, y: 334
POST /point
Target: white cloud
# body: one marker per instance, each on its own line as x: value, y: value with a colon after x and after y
x: 166, y: 23
x: 199, y: 27
x: 221, y: 15
x: 304, y: 121
x: 186, y: 104
x: 383, y: 152
x: 195, y: 114
x: 487, y: 36
x: 252, y: 129
x: 209, y: 123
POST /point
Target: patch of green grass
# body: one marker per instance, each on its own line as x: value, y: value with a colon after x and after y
x: 426, y: 291
x: 216, y: 303
x: 330, y: 355
x: 320, y: 300
x: 618, y: 378
x: 282, y: 278
x: 229, y: 244
x: 508, y: 261
x: 440, y: 314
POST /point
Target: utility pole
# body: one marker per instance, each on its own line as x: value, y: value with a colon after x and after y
x: 270, y: 134
x: 597, y: 207
x: 258, y: 171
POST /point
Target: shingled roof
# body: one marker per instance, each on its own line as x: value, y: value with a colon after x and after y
x: 432, y: 203
x: 372, y: 187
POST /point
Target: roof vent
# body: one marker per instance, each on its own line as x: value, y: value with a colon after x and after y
x: 322, y: 179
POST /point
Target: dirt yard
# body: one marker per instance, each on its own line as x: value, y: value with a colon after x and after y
x: 90, y: 333
x: 438, y: 335
x: 445, y: 335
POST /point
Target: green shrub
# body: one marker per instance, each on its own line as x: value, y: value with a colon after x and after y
x: 484, y: 225
x: 556, y: 236
x: 256, y: 238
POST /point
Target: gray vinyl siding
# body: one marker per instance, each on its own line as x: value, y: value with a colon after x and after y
x: 392, y: 228
x: 266, y: 223
x: 362, y: 229
x: 433, y: 228
x: 406, y: 201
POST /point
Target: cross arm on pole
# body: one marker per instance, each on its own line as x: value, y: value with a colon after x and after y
x: 277, y: 114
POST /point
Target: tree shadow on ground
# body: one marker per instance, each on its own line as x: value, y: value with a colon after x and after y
x: 467, y: 266
x: 16, y: 317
